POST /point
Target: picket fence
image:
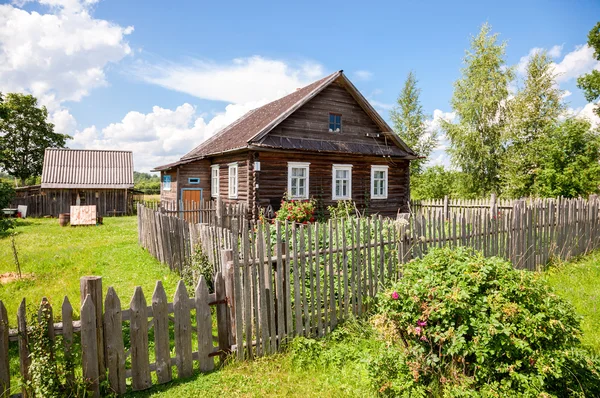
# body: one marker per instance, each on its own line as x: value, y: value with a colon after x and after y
x: 104, y: 351
x: 214, y: 212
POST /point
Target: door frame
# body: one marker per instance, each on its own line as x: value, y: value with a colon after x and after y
x: 181, y: 198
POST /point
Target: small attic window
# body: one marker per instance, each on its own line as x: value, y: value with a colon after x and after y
x: 335, y: 123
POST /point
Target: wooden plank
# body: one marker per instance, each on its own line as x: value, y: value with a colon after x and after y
x: 162, y: 351
x: 247, y: 291
x: 4, y: 354
x: 263, y: 305
x: 318, y: 303
x: 304, y: 303
x: 311, y: 303
x: 359, y: 270
x: 183, y: 331
x: 89, y: 346
x: 270, y: 288
x: 24, y: 360
x: 332, y: 307
x: 113, y: 345
x: 92, y: 285
x: 67, y: 340
x: 206, y: 363
x: 346, y: 298
x: 222, y: 317
x: 140, y: 369
x: 238, y: 292
x: 279, y: 286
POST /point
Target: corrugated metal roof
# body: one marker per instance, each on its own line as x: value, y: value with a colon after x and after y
x: 82, y: 168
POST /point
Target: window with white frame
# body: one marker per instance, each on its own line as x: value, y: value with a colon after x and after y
x: 298, y: 180
x: 214, y: 180
x: 233, y: 180
x: 342, y: 181
x: 379, y: 182
x: 166, y: 182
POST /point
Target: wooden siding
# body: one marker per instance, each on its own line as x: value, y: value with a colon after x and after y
x: 179, y: 180
x: 272, y: 180
x: 244, y: 177
x: 311, y: 121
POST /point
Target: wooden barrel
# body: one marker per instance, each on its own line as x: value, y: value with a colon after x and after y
x: 63, y: 219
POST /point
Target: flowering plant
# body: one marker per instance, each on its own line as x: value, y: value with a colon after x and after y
x: 300, y: 211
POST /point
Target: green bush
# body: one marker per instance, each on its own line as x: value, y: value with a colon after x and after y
x: 470, y: 326
x: 198, y: 265
x: 343, y: 208
x: 7, y: 193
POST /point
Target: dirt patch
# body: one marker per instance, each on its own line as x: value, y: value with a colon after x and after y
x: 13, y: 276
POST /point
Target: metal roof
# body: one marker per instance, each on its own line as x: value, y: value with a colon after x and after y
x: 82, y: 168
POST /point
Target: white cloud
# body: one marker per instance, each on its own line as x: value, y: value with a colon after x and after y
x: 439, y: 155
x: 554, y: 52
x: 240, y: 81
x: 363, y: 75
x: 158, y: 137
x: 576, y: 63
x: 587, y: 112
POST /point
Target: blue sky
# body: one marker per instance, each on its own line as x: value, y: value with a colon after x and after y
x: 159, y: 77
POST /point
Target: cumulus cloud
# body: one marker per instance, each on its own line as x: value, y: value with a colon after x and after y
x: 586, y: 112
x: 439, y: 155
x: 161, y: 136
x: 57, y: 56
x: 576, y: 63
x: 242, y: 80
x: 363, y: 75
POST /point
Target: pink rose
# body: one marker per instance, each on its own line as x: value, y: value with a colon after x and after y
x: 418, y: 330
x: 395, y: 296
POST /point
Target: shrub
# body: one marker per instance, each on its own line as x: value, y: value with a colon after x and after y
x: 198, y: 265
x: 7, y: 193
x: 468, y: 325
x: 300, y: 211
x: 343, y: 208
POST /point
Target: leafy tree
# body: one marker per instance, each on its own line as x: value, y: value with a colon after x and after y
x: 534, y: 113
x: 590, y: 83
x: 146, y: 182
x: 409, y: 123
x: 7, y: 193
x: 569, y: 161
x: 25, y: 133
x: 434, y: 182
x: 479, y: 100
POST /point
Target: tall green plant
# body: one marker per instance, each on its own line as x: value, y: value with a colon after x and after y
x: 590, y: 83
x: 479, y: 100
x: 534, y: 114
x: 409, y: 123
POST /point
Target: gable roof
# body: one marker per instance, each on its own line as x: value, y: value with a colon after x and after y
x: 256, y: 124
x: 81, y: 168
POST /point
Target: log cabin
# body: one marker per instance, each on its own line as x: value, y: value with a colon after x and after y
x: 323, y: 141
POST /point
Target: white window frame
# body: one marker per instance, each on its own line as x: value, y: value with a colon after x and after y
x: 166, y: 187
x: 233, y: 187
x: 214, y: 188
x: 298, y: 165
x: 341, y: 167
x: 385, y: 169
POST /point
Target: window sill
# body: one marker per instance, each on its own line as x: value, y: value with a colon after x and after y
x: 379, y: 197
x: 348, y: 198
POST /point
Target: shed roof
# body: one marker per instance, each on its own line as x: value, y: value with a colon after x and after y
x: 83, y: 168
x: 251, y: 128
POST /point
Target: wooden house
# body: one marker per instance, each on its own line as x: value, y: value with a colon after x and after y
x: 323, y: 141
x: 82, y: 177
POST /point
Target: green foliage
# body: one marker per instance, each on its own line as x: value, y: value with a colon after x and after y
x: 409, y: 123
x: 301, y: 211
x: 590, y: 83
x: 47, y: 371
x: 7, y: 193
x: 343, y: 209
x: 146, y: 182
x: 25, y: 133
x: 478, y: 100
x: 435, y: 182
x: 470, y: 325
x: 534, y: 114
x: 198, y: 265
x: 569, y: 161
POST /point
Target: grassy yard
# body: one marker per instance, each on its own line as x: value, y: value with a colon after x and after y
x: 56, y: 257
x: 578, y: 281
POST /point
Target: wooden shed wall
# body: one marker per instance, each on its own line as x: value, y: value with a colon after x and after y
x: 245, y: 177
x: 180, y: 179
x: 272, y: 180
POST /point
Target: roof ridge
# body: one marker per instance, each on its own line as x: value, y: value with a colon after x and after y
x: 88, y: 150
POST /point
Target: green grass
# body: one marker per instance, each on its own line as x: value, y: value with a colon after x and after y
x: 58, y: 256
x: 578, y: 281
x: 333, y: 367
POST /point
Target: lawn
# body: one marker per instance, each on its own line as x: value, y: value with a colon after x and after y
x: 56, y: 257
x: 578, y: 281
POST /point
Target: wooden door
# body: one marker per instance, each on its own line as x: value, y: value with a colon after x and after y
x: 191, y: 200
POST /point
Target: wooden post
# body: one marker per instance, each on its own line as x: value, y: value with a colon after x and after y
x: 227, y: 261
x: 219, y: 213
x: 493, y: 206
x: 445, y: 207
x: 24, y: 359
x: 92, y: 286
x: 4, y: 362
x: 223, y: 326
x: 89, y: 348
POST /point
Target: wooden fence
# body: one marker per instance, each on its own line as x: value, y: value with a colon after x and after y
x: 105, y: 352
x: 214, y: 212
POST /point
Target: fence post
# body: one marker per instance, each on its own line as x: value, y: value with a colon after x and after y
x: 219, y: 213
x: 4, y: 355
x: 493, y: 206
x: 92, y: 286
x: 445, y: 207
x: 228, y: 270
x: 223, y: 327
x: 89, y: 348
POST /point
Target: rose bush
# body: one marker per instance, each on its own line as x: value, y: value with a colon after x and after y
x: 466, y: 325
x: 300, y: 211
